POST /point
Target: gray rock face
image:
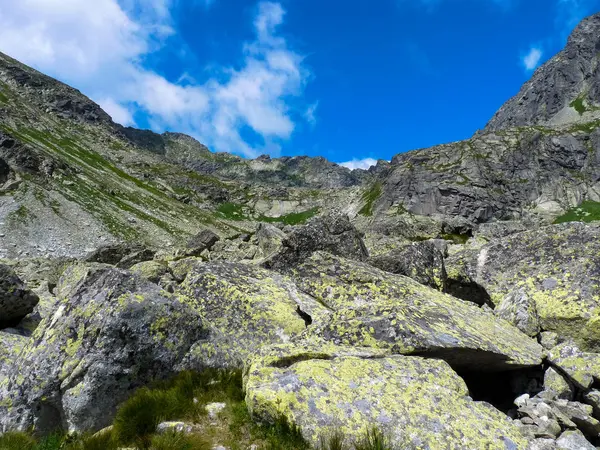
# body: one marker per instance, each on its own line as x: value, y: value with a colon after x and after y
x: 16, y: 300
x: 421, y: 261
x: 333, y: 233
x: 548, y: 97
x: 201, y: 242
x: 508, y: 175
x: 111, y: 335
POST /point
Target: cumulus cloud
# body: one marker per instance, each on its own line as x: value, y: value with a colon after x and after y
x: 532, y: 59
x: 100, y: 48
x: 359, y: 163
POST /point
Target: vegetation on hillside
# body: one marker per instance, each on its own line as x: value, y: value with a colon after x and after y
x: 588, y: 211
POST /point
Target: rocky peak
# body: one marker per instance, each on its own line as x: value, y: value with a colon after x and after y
x: 565, y: 90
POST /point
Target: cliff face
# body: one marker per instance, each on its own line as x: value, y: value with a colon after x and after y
x: 565, y: 90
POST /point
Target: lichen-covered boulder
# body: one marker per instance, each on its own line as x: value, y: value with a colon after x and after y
x: 123, y: 255
x: 421, y: 261
x: 582, y: 368
x: 333, y: 233
x: 379, y: 309
x: 10, y: 348
x: 111, y: 334
x: 247, y: 307
x: 519, y: 309
x: 556, y: 386
x: 269, y: 239
x: 557, y: 267
x: 202, y: 241
x: 417, y: 402
x: 16, y: 300
x: 573, y: 440
x: 151, y: 270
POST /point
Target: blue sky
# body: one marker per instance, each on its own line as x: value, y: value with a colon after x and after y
x: 348, y: 80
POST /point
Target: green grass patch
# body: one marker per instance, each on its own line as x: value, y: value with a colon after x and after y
x: 237, y: 212
x: 578, y: 105
x: 588, y: 211
x: 369, y: 198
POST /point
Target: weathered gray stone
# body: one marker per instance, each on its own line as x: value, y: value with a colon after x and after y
x: 111, y: 335
x: 519, y: 309
x: 421, y: 261
x: 573, y: 440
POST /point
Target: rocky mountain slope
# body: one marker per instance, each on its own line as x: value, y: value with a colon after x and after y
x: 448, y: 299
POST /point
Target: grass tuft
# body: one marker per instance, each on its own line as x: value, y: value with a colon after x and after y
x: 17, y: 441
x: 334, y: 441
x: 374, y: 439
x: 179, y: 441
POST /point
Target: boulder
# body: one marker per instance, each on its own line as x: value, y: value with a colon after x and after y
x: 10, y: 348
x: 555, y: 386
x: 375, y: 308
x: 417, y: 402
x: 16, y: 300
x: 573, y: 440
x: 247, y: 307
x: 592, y: 398
x: 555, y: 267
x: 202, y: 241
x: 123, y: 255
x: 583, y: 369
x: 112, y: 333
x: 421, y: 261
x: 519, y: 309
x: 269, y: 239
x: 151, y: 270
x: 333, y: 233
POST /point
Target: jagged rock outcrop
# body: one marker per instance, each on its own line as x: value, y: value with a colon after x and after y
x: 566, y: 89
x: 417, y: 402
x: 382, y: 310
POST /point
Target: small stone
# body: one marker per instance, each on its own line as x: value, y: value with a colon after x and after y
x: 521, y: 400
x: 548, y: 339
x: 214, y: 409
x: 178, y: 427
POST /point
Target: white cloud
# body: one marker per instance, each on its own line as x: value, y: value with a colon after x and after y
x: 309, y: 114
x: 100, y: 48
x: 119, y: 113
x: 532, y: 59
x: 359, y: 163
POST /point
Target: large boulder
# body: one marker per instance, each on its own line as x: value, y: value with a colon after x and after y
x: 16, y: 300
x: 333, y: 233
x: 375, y: 308
x: 269, y: 239
x: 247, y: 307
x: 421, y: 261
x: 556, y: 267
x: 123, y: 255
x: 582, y: 368
x: 10, y: 347
x: 111, y: 333
x: 417, y: 402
